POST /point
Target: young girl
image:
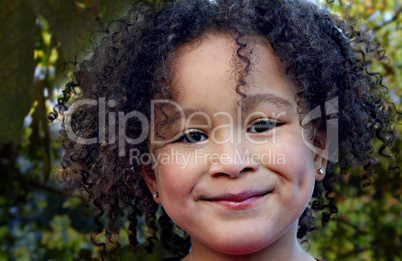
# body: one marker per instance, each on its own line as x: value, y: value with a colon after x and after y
x: 221, y: 119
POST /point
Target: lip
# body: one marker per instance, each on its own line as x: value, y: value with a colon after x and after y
x: 238, y: 201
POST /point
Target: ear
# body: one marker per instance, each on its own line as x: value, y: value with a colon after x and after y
x: 321, y: 155
x: 320, y: 163
x: 150, y: 179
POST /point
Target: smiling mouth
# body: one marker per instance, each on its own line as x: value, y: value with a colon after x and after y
x: 237, y: 197
x: 237, y: 201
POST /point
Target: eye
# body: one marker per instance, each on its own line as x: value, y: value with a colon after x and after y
x: 192, y: 136
x: 262, y: 125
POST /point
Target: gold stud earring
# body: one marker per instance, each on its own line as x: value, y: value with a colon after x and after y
x: 156, y: 194
x: 320, y: 171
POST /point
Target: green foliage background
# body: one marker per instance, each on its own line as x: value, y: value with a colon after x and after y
x: 37, y: 223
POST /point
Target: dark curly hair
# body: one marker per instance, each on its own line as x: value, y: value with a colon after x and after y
x: 323, y: 53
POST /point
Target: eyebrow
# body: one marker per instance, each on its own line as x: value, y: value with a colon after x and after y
x: 176, y: 115
x: 251, y: 101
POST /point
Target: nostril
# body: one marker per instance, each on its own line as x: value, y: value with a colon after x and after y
x: 219, y: 174
x: 247, y: 169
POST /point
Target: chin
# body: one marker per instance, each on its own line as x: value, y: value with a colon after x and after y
x: 241, y: 246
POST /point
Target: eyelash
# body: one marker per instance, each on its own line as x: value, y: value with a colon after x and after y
x: 186, y: 136
x: 270, y: 124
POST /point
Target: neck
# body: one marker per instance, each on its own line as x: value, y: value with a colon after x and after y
x: 284, y: 248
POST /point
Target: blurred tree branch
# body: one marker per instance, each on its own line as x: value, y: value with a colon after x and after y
x: 394, y: 18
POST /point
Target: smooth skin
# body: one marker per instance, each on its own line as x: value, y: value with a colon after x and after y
x: 202, y: 197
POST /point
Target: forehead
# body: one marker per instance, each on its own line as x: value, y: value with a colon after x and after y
x: 211, y: 63
x: 193, y: 60
x: 204, y: 80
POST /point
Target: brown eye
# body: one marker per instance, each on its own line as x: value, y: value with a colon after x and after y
x: 262, y: 125
x: 192, y: 136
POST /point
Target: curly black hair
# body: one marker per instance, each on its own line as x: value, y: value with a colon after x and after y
x: 132, y: 64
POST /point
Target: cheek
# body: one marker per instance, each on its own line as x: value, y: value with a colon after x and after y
x: 169, y: 181
x: 175, y: 181
x: 291, y: 157
x: 295, y: 172
x: 175, y: 185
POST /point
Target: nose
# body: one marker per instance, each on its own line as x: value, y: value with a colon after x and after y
x: 232, y: 161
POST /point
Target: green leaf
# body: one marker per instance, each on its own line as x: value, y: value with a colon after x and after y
x: 70, y: 23
x: 17, y: 34
x: 114, y: 10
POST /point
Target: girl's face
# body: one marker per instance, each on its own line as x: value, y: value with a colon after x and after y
x: 238, y: 180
